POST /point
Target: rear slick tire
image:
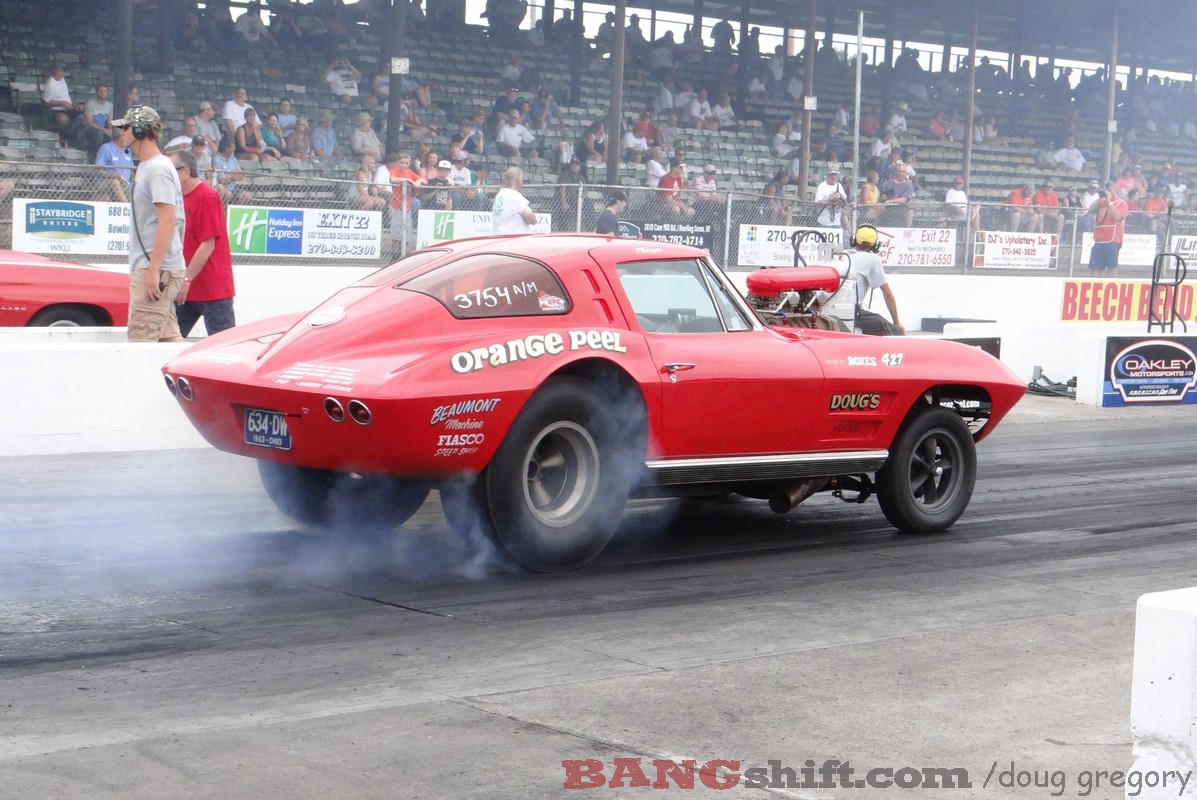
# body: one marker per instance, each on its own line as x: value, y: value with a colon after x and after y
x: 928, y: 480
x: 325, y: 499
x: 556, y: 487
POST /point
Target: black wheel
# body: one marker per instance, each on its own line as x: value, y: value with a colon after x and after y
x: 928, y: 480
x: 326, y: 499
x: 556, y: 488
x: 63, y: 317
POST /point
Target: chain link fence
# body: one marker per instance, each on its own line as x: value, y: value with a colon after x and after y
x: 741, y: 230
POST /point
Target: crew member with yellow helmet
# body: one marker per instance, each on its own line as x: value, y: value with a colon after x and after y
x: 869, y: 274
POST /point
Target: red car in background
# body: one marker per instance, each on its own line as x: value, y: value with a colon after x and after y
x: 539, y: 381
x: 37, y: 291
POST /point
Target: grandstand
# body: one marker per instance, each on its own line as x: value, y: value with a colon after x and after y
x: 465, y: 65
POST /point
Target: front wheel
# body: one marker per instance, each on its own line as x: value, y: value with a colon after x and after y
x: 556, y: 488
x: 326, y: 499
x: 63, y: 317
x: 928, y: 480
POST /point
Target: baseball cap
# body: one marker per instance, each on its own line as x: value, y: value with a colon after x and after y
x: 833, y: 169
x: 444, y: 164
x: 462, y: 155
x: 513, y: 88
x: 198, y: 140
x: 709, y: 168
x: 205, y: 105
x: 140, y: 114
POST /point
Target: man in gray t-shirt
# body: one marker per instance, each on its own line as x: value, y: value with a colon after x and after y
x: 156, y: 266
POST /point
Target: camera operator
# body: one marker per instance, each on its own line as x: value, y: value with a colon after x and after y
x: 1109, y: 212
x: 832, y: 197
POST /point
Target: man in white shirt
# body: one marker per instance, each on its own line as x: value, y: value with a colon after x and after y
x: 830, y: 193
x: 234, y: 110
x: 654, y: 170
x: 958, y: 199
x: 700, y: 112
x: 56, y: 96
x: 1069, y: 157
x: 511, y: 212
x: 514, y: 138
x: 664, y: 99
x: 183, y: 140
x: 682, y: 99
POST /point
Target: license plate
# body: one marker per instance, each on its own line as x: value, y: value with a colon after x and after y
x: 267, y: 429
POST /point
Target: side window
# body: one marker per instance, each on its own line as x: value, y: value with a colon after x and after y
x: 493, y: 285
x: 670, y: 296
x: 396, y: 271
x: 733, y: 313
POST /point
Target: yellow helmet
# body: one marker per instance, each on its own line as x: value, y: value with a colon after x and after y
x: 865, y: 236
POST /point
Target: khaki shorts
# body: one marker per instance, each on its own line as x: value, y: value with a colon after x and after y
x: 151, y: 321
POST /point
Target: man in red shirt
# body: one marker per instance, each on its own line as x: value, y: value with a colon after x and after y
x: 1155, y: 207
x: 1109, y: 218
x: 1022, y: 213
x: 670, y: 189
x: 1047, y: 206
x: 404, y: 204
x: 208, y: 284
x: 652, y: 133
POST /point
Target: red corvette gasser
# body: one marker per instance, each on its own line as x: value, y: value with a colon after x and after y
x: 43, y: 292
x: 538, y: 381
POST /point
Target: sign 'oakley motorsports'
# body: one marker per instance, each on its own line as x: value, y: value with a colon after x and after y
x: 304, y: 232
x: 62, y: 227
x: 1141, y: 370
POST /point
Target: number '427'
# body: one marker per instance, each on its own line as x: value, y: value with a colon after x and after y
x: 892, y: 359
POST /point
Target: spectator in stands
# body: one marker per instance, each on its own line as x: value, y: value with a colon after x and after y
x: 203, y: 158
x: 699, y: 113
x: 1045, y: 157
x: 190, y: 38
x: 97, y: 118
x: 514, y: 138
x: 569, y: 181
x: 787, y: 142
x: 958, y: 203
x: 882, y: 147
x: 723, y: 36
x: 250, y: 146
x: 654, y: 169
x: 1047, y: 205
x: 207, y: 126
x: 869, y: 196
x: 936, y: 130
x: 660, y: 55
x: 251, y: 29
x: 133, y: 96
x: 604, y: 40
x: 286, y: 119
x: 634, y: 145
x: 708, y: 201
x: 724, y: 115
x: 837, y: 148
x: 831, y: 197
x: 870, y: 122
x: 183, y: 140
x: 56, y: 98
x: 682, y: 99
x: 471, y: 139
x: 652, y: 134
x: 426, y: 167
x: 118, y: 172
x: 234, y: 110
x: 897, y: 120
x: 663, y: 101
x: 363, y: 139
x: 436, y: 195
x: 670, y: 191
x: 667, y: 130
x: 1023, y: 216
x: 691, y: 51
x: 342, y: 78
x: 272, y: 137
x: 1069, y: 157
x: 773, y: 203
x: 460, y: 178
x: 1155, y: 209
x: 634, y: 41
x: 1140, y: 182
x: 564, y: 32
x: 544, y: 110
x: 898, y: 195
x: 207, y: 289
x: 228, y: 174
x: 1126, y: 180
x: 299, y: 143
x: 285, y: 30
x: 405, y: 183
x: 324, y: 141
x: 592, y: 147
x: 1178, y: 190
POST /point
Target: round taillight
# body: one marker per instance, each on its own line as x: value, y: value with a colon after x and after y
x: 359, y: 412
x: 334, y: 409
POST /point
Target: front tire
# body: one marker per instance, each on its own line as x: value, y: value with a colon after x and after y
x: 928, y: 480
x: 326, y: 499
x: 556, y: 487
x: 63, y: 317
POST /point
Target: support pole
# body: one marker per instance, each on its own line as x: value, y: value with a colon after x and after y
x: 614, y: 128
x: 970, y: 103
x: 1111, y: 84
x: 809, y: 51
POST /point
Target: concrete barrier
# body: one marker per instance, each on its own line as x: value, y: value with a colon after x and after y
x: 1164, y: 695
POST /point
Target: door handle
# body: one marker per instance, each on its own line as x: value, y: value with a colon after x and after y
x: 675, y: 367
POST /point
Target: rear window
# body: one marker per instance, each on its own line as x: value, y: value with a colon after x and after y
x: 395, y: 272
x: 493, y: 285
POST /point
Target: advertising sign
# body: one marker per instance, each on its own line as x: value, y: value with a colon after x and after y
x: 1138, y: 249
x: 770, y: 245
x: 917, y: 247
x: 67, y: 227
x: 1123, y: 301
x: 1005, y: 250
x: 304, y: 232
x: 1146, y: 370
x: 434, y: 227
x: 693, y: 234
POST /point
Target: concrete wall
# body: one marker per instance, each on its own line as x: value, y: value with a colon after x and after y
x: 90, y: 391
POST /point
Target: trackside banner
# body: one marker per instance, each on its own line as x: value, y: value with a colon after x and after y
x: 66, y: 227
x: 434, y: 227
x: 1122, y: 301
x: 304, y: 232
x: 1144, y: 370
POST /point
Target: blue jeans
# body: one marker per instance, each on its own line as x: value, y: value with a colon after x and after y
x: 217, y: 314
